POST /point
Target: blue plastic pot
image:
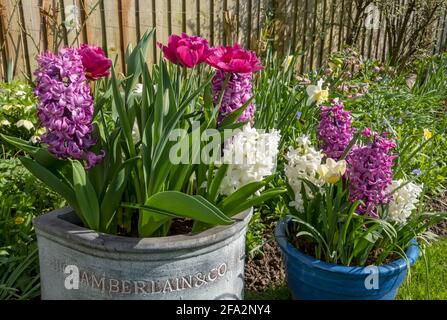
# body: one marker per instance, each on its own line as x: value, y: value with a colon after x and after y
x: 312, y: 279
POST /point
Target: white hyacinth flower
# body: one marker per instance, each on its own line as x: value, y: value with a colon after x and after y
x: 404, y: 200
x: 28, y: 125
x: 302, y: 163
x: 251, y: 155
x: 317, y: 94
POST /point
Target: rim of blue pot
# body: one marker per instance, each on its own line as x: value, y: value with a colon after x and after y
x: 390, y: 268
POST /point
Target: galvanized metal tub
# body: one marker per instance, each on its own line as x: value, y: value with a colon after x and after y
x: 78, y: 263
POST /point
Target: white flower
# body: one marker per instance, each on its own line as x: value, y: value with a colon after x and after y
x: 30, y: 108
x: 34, y: 139
x: 135, y: 133
x: 5, y: 123
x: 404, y: 200
x: 302, y: 163
x: 316, y: 93
x: 251, y: 155
x: 332, y: 171
x: 28, y: 125
x: 20, y: 93
x: 138, y: 89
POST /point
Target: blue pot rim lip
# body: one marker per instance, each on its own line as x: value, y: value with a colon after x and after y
x: 386, y: 269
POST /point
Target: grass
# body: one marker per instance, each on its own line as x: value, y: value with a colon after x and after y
x: 415, y: 288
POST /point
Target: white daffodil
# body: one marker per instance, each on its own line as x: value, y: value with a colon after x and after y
x: 28, y: 125
x: 317, y: 94
x: 404, y: 200
x: 5, y: 123
x: 332, y: 171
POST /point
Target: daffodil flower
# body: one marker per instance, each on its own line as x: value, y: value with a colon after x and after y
x: 332, y: 171
x: 317, y: 94
x: 427, y: 134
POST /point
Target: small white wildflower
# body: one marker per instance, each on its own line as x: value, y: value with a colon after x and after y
x: 28, y: 125
x: 404, y: 200
x: 30, y: 108
x: 5, y: 123
x: 251, y: 155
x: 20, y: 93
x: 34, y: 139
x: 138, y: 89
x: 317, y: 94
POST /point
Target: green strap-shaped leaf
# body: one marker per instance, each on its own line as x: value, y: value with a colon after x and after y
x: 240, y: 195
x: 255, y: 201
x: 86, y: 196
x: 47, y: 177
x: 235, y: 115
x: 112, y: 197
x: 40, y: 154
x: 178, y: 204
x: 214, y: 185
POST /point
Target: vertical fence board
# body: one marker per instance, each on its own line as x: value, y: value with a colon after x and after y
x: 93, y: 23
x: 176, y: 16
x: 146, y: 24
x: 232, y: 22
x: 191, y: 17
x: 31, y: 15
x: 304, y: 36
x: 14, y: 37
x: 205, y: 14
x: 3, y: 41
x: 113, y: 31
x: 314, y: 27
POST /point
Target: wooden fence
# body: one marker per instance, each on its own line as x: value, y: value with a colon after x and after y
x: 316, y: 27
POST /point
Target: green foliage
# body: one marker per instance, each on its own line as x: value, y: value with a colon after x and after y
x: 139, y: 179
x: 17, y: 103
x: 422, y: 285
x: 22, y: 197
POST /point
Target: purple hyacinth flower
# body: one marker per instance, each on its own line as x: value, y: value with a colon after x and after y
x: 237, y: 92
x: 65, y: 106
x: 370, y: 174
x: 335, y: 132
